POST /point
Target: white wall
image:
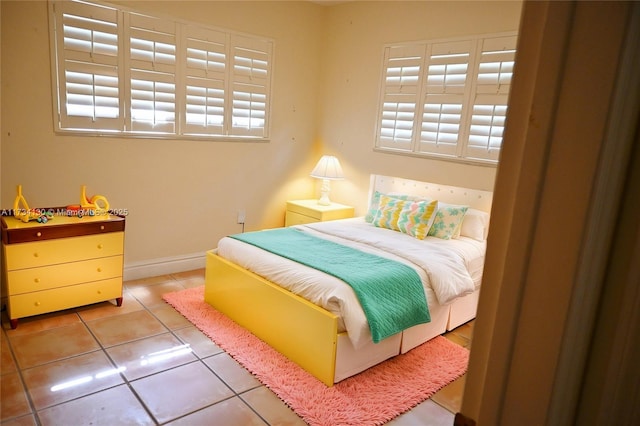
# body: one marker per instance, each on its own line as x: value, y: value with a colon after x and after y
x: 184, y: 195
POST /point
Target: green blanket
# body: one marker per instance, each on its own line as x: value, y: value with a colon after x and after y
x: 390, y: 293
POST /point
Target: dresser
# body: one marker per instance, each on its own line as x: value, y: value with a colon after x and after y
x: 66, y: 262
x: 307, y: 211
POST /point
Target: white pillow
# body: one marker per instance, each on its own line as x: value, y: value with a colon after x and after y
x: 475, y: 225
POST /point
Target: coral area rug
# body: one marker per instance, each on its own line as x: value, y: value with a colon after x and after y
x: 372, y: 397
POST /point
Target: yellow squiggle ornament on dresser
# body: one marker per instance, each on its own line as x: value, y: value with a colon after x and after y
x: 97, y: 203
x: 22, y: 211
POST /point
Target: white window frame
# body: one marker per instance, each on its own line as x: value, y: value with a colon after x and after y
x: 446, y: 98
x: 118, y: 72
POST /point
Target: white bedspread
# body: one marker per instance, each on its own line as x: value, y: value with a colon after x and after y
x: 445, y: 267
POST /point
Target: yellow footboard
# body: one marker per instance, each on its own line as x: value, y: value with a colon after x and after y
x: 295, y: 327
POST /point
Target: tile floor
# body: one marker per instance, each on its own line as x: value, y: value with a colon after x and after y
x: 104, y: 365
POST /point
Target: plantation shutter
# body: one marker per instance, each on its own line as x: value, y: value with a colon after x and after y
x: 152, y: 74
x: 488, y: 115
x: 446, y: 90
x: 206, y: 58
x: 250, y: 86
x: 447, y: 98
x: 121, y: 72
x: 401, y: 82
x: 87, y: 39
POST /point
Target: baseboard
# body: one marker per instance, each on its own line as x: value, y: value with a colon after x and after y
x: 163, y: 266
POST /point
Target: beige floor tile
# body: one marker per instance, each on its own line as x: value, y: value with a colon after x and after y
x: 115, y: 406
x: 13, y: 398
x: 196, y: 273
x: 152, y: 295
x: 151, y: 355
x: 27, y: 420
x: 465, y: 331
x: 232, y: 373
x: 191, y: 283
x: 180, y: 391
x: 190, y: 279
x: 70, y: 378
x: 427, y: 413
x: 144, y: 282
x: 42, y: 322
x: 125, y: 328
x: 171, y: 318
x: 450, y: 397
x: 457, y: 339
x: 231, y: 412
x: 202, y: 346
x: 109, y: 308
x: 52, y: 344
x: 7, y: 364
x: 271, y: 408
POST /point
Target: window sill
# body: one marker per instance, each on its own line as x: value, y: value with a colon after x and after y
x: 459, y: 160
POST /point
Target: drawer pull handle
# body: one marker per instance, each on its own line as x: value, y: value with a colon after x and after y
x: 99, y: 246
x: 99, y: 291
x: 38, y: 234
x: 37, y: 280
x: 35, y: 254
x: 99, y: 269
x: 102, y: 227
x: 37, y: 303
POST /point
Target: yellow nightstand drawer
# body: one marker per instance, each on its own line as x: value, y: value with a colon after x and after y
x: 24, y: 305
x: 308, y: 211
x: 46, y: 277
x: 63, y: 250
x: 293, y: 218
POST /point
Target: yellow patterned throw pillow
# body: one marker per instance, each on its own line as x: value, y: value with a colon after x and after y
x: 374, y: 206
x: 413, y: 218
x: 388, y: 211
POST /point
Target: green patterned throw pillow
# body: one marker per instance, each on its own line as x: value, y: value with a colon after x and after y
x: 448, y: 220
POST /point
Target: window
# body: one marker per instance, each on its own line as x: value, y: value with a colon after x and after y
x: 446, y: 98
x: 120, y: 72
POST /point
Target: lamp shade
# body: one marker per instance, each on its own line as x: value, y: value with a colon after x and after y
x: 328, y: 168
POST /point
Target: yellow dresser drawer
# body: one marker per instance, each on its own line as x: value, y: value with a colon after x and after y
x: 63, y: 250
x: 64, y: 274
x: 24, y: 305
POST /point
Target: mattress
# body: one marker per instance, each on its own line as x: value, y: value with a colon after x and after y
x: 447, y: 268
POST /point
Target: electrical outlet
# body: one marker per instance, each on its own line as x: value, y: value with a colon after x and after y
x: 241, y: 216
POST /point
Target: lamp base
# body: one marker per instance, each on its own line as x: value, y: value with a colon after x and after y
x: 324, y: 200
x: 324, y: 193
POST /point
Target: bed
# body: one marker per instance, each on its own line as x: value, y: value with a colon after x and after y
x: 310, y: 317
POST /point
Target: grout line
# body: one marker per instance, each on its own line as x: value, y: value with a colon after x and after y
x: 115, y: 365
x: 19, y: 371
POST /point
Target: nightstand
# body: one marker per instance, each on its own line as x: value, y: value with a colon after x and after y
x: 309, y: 211
x: 68, y: 262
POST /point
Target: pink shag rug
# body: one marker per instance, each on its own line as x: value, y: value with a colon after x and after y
x: 372, y: 397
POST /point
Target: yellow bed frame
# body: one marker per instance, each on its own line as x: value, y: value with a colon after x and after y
x: 300, y: 330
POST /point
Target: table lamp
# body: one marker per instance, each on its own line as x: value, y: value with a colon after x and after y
x: 327, y: 169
